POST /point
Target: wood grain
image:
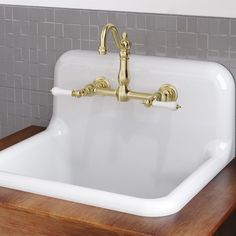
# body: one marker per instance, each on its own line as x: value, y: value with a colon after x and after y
x: 24, y: 213
x: 19, y: 136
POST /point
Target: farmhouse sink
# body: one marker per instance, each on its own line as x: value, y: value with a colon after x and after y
x: 122, y: 155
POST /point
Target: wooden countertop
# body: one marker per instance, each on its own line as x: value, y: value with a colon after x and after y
x: 24, y: 213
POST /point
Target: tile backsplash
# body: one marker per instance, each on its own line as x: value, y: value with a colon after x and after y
x: 32, y: 39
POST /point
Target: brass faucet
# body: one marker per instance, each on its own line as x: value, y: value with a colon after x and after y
x: 101, y: 86
x: 124, y: 46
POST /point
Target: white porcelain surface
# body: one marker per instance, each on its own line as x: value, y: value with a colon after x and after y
x: 124, y: 156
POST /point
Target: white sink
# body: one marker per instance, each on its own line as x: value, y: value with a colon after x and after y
x: 122, y: 155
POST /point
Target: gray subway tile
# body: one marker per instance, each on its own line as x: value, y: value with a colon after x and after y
x: 42, y: 42
x: 46, y: 56
x: 121, y: 19
x: 202, y: 41
x: 33, y: 28
x: 25, y: 82
x: 50, y: 14
x: 139, y: 49
x: 233, y: 43
x: 171, y: 52
x: 2, y: 12
x: 212, y: 55
x: 84, y: 44
x: 18, y: 96
x: 34, y: 85
x: 202, y: 25
x: 93, y: 33
x: 72, y: 31
x: 213, y: 25
x: 45, y: 84
x: 93, y: 45
x: 9, y: 40
x: 233, y: 59
x: 25, y: 29
x: 171, y: 23
x: 45, y: 70
x: 102, y: 18
x: 20, y: 13
x: 11, y: 122
x: 36, y: 14
x: 50, y: 43
x: 47, y: 29
x: 3, y: 93
x: 67, y: 47
x: 171, y: 39
x: 11, y: 105
x: 16, y: 27
x: 76, y: 44
x: 3, y: 107
x: 132, y: 20
x: 218, y: 42
x: 3, y: 25
x: 224, y: 26
x: 93, y: 17
x: 3, y: 81
x: 32, y: 41
x: 84, y: 32
x: 74, y: 17
x: 45, y: 112
x: 10, y: 81
x: 160, y: 22
x: 187, y: 40
x: 8, y: 12
x: 233, y: 27
x: 140, y: 36
x: 192, y: 24
x: 10, y: 94
x: 182, y: 23
x: 33, y: 69
x: 160, y: 51
x: 84, y: 18
x: 141, y: 21
x: 59, y: 30
x: 33, y: 56
x: 18, y: 81
x: 150, y: 21
x: 19, y: 122
x: 21, y: 67
x: 8, y: 27
x: 154, y: 42
x: 25, y: 54
x: 60, y: 15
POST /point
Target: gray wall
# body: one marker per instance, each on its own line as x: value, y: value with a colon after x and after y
x: 32, y: 38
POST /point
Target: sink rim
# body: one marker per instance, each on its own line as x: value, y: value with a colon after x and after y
x: 148, y: 207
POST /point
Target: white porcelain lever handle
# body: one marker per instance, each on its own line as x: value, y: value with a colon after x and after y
x: 58, y: 91
x: 167, y: 105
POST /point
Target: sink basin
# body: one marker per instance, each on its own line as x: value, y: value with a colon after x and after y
x: 122, y: 155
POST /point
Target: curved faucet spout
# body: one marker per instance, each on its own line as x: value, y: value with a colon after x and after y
x: 103, y: 43
x: 123, y: 45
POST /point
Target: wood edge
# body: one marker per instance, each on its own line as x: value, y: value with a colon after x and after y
x: 20, y: 136
x: 224, y: 218
x: 80, y: 222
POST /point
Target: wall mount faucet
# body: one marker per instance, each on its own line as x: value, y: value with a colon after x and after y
x: 124, y: 46
x: 100, y: 86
